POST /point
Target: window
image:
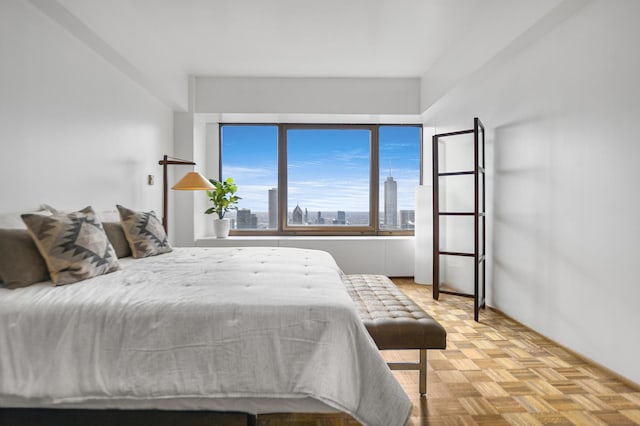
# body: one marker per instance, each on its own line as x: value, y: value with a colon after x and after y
x: 399, y: 175
x: 249, y: 155
x: 322, y: 179
x: 328, y: 177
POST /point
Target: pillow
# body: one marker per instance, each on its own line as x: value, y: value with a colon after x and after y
x: 103, y: 215
x: 108, y: 216
x: 74, y: 246
x: 118, y: 240
x: 144, y: 232
x: 20, y: 261
x: 14, y: 220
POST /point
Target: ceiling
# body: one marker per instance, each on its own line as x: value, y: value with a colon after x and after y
x: 164, y: 41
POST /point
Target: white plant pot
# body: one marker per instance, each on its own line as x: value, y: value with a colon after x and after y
x: 221, y: 227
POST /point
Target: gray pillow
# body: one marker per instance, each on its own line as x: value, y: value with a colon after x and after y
x: 118, y: 240
x: 20, y: 261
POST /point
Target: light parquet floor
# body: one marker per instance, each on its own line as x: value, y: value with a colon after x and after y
x: 498, y: 372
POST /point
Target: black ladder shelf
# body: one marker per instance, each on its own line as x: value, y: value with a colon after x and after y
x: 479, y: 216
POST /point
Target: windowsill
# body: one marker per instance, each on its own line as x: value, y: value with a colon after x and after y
x: 307, y: 237
x: 392, y: 255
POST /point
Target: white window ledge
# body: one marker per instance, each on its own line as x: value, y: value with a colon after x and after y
x: 387, y: 255
x: 245, y: 238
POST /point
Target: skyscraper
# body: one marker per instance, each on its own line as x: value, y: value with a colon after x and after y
x: 296, y: 216
x: 273, y: 208
x: 390, y: 203
x: 244, y: 219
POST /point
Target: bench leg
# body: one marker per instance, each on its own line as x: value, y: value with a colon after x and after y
x: 423, y: 372
x: 420, y: 366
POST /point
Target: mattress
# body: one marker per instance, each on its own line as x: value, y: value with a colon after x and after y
x: 198, y: 328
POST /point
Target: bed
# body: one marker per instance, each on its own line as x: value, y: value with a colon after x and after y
x: 254, y: 330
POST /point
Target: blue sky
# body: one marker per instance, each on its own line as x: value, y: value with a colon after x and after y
x: 328, y: 169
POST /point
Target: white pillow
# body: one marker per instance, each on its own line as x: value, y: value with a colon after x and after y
x: 14, y: 220
x: 103, y: 216
x: 108, y: 216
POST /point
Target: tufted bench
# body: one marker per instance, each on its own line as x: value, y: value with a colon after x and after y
x: 394, y: 321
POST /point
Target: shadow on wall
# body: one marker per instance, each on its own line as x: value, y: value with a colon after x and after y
x: 526, y: 222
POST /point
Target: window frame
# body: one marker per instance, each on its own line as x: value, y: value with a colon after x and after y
x: 283, y: 175
x: 283, y: 228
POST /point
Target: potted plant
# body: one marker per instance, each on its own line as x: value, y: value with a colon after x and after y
x: 224, y: 199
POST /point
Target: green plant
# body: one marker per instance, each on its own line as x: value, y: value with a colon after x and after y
x: 223, y: 197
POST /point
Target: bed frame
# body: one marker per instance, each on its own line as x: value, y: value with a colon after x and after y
x: 77, y: 417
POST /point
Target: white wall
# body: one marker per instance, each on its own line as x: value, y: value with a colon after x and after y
x: 562, y: 114
x: 73, y: 130
x: 182, y: 227
x: 482, y: 40
x: 308, y: 95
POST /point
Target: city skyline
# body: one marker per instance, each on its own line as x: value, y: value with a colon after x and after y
x: 388, y: 219
x: 329, y: 218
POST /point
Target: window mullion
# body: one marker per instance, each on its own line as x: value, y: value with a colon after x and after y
x: 282, y: 178
x: 374, y: 179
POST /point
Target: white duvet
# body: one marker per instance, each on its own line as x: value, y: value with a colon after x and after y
x: 199, y: 324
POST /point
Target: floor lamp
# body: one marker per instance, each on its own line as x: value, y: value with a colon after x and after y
x: 192, y: 181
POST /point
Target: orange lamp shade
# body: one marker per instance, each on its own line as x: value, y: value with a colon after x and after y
x: 193, y: 181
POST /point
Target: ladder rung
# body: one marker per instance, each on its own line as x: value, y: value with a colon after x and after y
x: 456, y: 213
x: 457, y: 253
x: 461, y: 132
x: 455, y: 293
x: 456, y: 173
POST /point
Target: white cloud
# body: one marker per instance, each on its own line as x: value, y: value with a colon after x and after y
x: 246, y: 173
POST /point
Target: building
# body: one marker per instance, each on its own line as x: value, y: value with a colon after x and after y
x: 342, y: 218
x: 390, y: 203
x: 273, y: 208
x: 407, y: 219
x: 296, y: 216
x: 246, y: 220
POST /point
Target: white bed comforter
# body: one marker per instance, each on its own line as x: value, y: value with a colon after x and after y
x: 197, y: 323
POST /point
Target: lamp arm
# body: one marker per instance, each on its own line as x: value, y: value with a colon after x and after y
x: 166, y: 160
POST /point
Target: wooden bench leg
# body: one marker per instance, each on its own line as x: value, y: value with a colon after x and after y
x: 423, y: 372
x: 421, y: 367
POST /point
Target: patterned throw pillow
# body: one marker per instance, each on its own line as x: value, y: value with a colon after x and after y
x: 74, y: 246
x: 144, y: 232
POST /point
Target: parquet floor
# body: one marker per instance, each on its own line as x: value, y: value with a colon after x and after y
x: 498, y: 372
